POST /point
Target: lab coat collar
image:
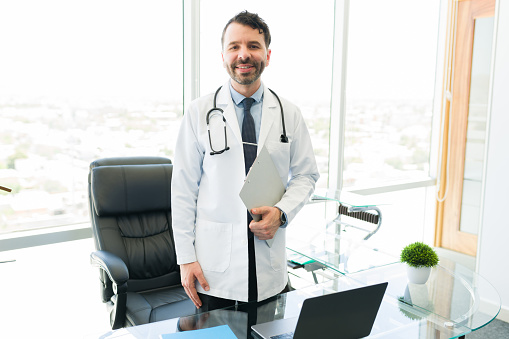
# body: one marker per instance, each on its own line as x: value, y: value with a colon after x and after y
x: 270, y: 112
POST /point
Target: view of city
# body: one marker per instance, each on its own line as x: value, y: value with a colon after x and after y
x: 386, y: 141
x: 46, y: 147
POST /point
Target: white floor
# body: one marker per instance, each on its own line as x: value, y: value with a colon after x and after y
x: 51, y: 291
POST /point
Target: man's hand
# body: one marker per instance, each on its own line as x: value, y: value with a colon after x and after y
x: 189, y: 273
x: 266, y: 228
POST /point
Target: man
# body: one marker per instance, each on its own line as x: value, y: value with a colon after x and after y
x: 223, y: 255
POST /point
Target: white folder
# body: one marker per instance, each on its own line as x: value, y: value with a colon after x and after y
x: 263, y: 186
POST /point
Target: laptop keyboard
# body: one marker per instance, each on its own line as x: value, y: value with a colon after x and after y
x: 288, y: 335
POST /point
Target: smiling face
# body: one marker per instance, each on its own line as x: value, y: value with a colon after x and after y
x: 245, y: 56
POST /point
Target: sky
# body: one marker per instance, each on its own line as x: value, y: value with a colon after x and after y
x: 134, y: 48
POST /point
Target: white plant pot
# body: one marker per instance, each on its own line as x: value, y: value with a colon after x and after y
x: 418, y: 275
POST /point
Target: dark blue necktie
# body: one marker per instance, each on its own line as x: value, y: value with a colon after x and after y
x: 249, y: 143
x: 248, y: 134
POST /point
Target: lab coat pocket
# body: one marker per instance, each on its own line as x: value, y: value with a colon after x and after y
x: 280, y: 154
x: 213, y: 245
x: 278, y: 250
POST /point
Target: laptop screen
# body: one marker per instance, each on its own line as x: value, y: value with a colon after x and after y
x: 346, y: 314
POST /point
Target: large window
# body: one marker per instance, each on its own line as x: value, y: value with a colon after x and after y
x: 81, y: 80
x: 392, y: 48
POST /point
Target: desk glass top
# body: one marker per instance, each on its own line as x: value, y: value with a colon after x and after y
x: 454, y: 298
x: 345, y: 198
x: 452, y: 303
x: 452, y: 292
x: 437, y: 309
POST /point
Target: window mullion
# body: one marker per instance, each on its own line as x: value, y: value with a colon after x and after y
x: 191, y: 60
x: 338, y: 90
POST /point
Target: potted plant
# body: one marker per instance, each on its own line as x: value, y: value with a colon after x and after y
x: 420, y: 258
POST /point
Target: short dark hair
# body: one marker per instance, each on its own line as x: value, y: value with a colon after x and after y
x: 249, y: 19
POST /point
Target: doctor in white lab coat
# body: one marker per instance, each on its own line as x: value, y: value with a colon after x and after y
x: 209, y: 219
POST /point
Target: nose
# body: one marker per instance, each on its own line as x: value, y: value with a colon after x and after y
x: 243, y: 53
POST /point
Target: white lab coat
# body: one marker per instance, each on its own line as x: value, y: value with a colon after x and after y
x: 209, y: 219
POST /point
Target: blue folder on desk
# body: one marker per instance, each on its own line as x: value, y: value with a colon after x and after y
x: 223, y: 332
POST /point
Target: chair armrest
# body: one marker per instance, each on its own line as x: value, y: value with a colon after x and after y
x: 118, y: 273
x: 113, y: 266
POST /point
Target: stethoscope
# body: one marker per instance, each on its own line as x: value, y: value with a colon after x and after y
x: 283, y: 138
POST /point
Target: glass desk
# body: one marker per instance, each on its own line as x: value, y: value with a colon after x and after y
x: 335, y: 245
x: 353, y: 207
x: 338, y: 253
x: 453, y: 302
x: 345, y: 198
x: 438, y: 309
x: 453, y: 296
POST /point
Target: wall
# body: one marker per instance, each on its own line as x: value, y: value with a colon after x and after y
x: 494, y: 236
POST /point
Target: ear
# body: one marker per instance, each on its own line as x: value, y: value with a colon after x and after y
x: 222, y: 57
x: 268, y: 57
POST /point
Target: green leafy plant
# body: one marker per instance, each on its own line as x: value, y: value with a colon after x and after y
x: 419, y: 254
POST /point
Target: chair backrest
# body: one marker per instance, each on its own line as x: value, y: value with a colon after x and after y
x: 130, y: 208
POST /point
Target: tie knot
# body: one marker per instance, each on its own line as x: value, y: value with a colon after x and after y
x: 248, y: 102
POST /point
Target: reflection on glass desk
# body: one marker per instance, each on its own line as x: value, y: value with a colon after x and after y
x: 447, y: 306
x: 452, y: 294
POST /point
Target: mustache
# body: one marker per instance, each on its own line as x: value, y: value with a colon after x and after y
x: 245, y: 61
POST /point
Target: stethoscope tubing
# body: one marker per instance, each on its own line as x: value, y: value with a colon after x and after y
x: 283, y: 138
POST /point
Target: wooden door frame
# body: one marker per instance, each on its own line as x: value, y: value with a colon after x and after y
x: 451, y: 172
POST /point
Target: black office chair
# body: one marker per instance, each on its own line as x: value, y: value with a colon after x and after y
x: 130, y: 208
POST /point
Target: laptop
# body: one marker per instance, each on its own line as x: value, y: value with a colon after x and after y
x: 344, y: 315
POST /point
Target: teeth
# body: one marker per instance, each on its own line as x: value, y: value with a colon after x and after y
x: 245, y: 67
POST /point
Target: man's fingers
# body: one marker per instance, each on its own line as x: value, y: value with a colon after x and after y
x: 267, y: 227
x: 198, y: 275
x: 193, y: 295
x: 259, y: 210
x: 203, y: 282
x: 263, y: 233
x: 190, y: 273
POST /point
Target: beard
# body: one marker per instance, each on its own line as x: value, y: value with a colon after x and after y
x: 246, y: 79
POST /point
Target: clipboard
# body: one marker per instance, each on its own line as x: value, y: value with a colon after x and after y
x: 263, y: 186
